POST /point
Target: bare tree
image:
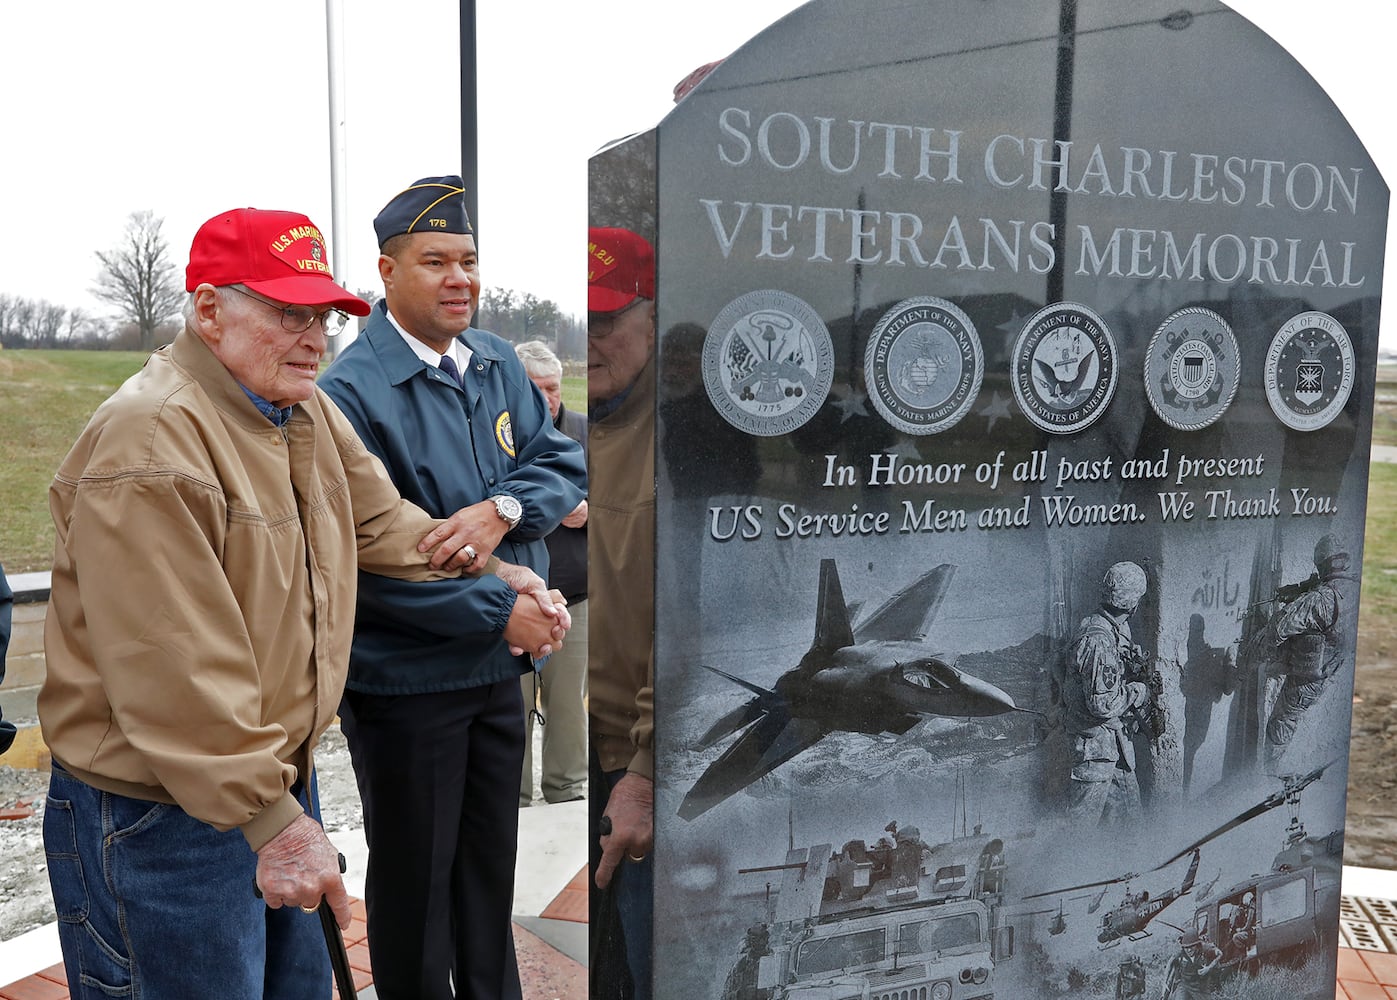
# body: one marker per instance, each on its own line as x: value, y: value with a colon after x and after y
x: 496, y: 307
x: 138, y: 278
x: 49, y: 323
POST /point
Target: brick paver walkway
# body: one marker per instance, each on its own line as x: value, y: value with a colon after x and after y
x: 547, y: 973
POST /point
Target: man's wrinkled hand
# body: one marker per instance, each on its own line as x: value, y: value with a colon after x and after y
x: 521, y: 579
x: 551, y: 603
x: 298, y: 866
x: 631, y: 808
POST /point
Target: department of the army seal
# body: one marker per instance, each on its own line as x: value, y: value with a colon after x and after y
x: 1309, y: 371
x: 1064, y: 368
x: 923, y: 365
x: 1192, y: 368
x: 768, y: 362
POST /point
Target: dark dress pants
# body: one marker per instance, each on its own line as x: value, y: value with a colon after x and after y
x: 439, y: 778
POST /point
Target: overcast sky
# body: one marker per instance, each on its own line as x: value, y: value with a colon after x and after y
x: 191, y: 107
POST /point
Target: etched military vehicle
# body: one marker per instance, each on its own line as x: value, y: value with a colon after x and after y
x: 899, y: 920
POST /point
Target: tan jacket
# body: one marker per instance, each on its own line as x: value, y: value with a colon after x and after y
x: 621, y: 581
x: 203, y: 590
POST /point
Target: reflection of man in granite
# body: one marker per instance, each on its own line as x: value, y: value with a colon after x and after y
x: 1096, y: 697
x: 1311, y: 639
x: 621, y: 588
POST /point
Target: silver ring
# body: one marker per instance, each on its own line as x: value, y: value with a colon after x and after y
x: 309, y: 909
x: 637, y: 860
x: 471, y: 554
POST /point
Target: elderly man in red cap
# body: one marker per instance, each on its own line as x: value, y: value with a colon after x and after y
x: 621, y: 584
x: 210, y: 520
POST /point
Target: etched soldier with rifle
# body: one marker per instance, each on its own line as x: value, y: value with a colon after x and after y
x: 1309, y: 638
x: 1196, y: 960
x: 1098, y: 698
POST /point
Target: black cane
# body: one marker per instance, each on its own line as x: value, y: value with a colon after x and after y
x: 334, y: 941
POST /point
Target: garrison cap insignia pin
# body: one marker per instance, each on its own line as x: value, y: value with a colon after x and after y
x: 1192, y: 368
x: 768, y: 362
x: 1309, y: 371
x: 923, y: 365
x: 1065, y: 368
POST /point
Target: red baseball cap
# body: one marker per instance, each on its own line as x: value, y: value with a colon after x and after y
x: 279, y: 254
x: 620, y: 269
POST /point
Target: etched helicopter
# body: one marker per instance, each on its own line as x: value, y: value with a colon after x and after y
x: 1294, y: 906
x: 876, y: 678
x: 1129, y: 919
x: 1301, y: 854
x: 1058, y: 925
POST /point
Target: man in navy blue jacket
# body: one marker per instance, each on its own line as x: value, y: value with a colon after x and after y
x: 432, y: 710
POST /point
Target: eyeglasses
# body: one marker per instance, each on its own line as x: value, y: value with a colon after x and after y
x: 602, y: 325
x: 298, y: 319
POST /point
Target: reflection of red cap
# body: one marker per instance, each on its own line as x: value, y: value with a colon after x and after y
x: 279, y: 254
x: 682, y: 88
x: 620, y: 269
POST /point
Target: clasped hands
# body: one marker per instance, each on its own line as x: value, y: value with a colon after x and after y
x: 466, y: 540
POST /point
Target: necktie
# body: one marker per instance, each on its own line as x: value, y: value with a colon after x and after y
x: 449, y: 367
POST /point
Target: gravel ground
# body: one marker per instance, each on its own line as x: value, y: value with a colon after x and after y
x: 1371, y: 828
x: 25, y: 902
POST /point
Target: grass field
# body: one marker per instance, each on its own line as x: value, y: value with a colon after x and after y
x: 48, y: 397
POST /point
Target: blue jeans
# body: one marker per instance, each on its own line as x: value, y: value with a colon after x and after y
x: 635, y: 894
x: 156, y: 905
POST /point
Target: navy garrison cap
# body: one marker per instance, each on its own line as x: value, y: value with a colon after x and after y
x: 431, y: 205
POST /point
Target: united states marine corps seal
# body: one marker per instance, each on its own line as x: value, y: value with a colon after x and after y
x: 1192, y: 368
x: 1309, y: 371
x: 768, y: 362
x: 1064, y: 368
x: 923, y: 365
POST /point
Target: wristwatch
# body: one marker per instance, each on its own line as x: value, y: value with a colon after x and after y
x: 511, y: 511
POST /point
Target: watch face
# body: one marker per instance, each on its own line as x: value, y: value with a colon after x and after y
x: 509, y: 508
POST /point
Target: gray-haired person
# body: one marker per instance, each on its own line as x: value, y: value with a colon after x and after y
x: 561, y: 685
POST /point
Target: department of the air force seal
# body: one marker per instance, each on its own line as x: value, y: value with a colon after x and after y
x: 1192, y: 368
x: 1064, y: 368
x: 768, y: 362
x: 1309, y: 371
x: 923, y: 365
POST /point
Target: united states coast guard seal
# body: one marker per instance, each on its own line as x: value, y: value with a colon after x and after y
x: 1309, y: 371
x: 923, y: 365
x: 768, y: 362
x: 1065, y: 368
x: 1192, y: 368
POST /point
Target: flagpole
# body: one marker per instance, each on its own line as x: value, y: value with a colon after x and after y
x: 339, y: 229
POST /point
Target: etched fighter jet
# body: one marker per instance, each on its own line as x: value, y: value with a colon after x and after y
x: 876, y: 678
